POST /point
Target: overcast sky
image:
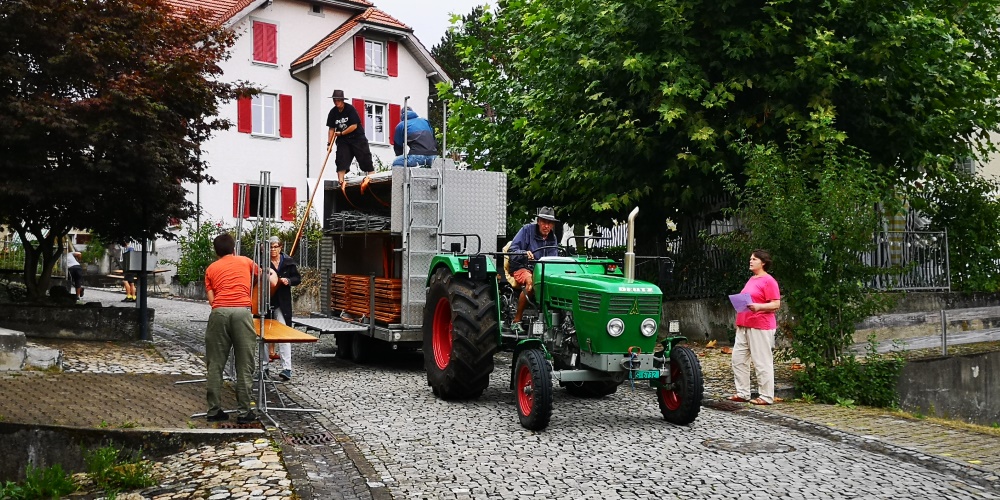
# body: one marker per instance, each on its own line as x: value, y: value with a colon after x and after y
x: 428, y: 18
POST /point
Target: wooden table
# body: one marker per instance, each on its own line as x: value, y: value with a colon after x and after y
x: 277, y: 332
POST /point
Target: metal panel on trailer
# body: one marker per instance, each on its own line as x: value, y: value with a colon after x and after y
x: 475, y: 202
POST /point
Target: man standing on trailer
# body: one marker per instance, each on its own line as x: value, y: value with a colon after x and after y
x: 345, y: 125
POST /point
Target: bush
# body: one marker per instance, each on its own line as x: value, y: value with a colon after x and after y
x: 51, y: 482
x: 196, y: 251
x: 966, y: 206
x: 871, y: 383
x: 113, y: 470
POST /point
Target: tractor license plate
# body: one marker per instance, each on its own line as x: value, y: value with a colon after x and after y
x: 646, y: 375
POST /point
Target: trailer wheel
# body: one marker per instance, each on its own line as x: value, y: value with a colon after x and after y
x: 460, y: 335
x: 343, y: 345
x: 361, y: 347
x: 533, y: 389
x: 592, y: 389
x: 681, y: 403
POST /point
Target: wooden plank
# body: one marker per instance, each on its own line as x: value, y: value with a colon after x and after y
x: 277, y: 332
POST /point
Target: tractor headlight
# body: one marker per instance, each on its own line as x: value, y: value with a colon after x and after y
x: 648, y: 327
x: 616, y: 327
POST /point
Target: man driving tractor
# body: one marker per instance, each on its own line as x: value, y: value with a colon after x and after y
x: 532, y: 242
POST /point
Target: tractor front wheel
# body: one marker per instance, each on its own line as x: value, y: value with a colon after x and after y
x: 460, y: 335
x: 681, y: 401
x: 533, y: 389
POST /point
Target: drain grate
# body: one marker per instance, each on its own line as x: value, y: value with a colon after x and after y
x: 747, y: 446
x: 311, y: 439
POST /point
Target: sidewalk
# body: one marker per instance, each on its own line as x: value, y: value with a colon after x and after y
x: 968, y: 451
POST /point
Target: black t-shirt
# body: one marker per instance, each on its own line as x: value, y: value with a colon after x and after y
x: 340, y: 120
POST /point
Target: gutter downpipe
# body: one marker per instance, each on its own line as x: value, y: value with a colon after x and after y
x: 630, y: 253
x: 303, y: 82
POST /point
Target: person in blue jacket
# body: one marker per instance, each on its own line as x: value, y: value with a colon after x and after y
x: 531, y: 243
x: 419, y: 135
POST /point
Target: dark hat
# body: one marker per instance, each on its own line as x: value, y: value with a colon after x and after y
x: 547, y: 213
x: 338, y: 94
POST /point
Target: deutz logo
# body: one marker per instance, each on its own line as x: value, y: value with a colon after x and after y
x: 640, y: 289
x: 635, y: 307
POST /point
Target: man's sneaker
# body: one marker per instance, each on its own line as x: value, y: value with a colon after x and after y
x: 285, y: 375
x: 249, y: 418
x: 221, y: 416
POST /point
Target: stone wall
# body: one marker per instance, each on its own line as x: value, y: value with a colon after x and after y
x: 76, y: 322
x: 713, y: 319
x: 956, y: 387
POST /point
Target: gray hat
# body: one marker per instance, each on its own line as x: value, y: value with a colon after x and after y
x: 547, y: 213
x: 338, y: 94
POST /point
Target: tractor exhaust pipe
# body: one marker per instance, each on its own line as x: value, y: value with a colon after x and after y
x: 629, y: 252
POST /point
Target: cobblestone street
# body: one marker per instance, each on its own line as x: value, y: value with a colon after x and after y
x: 382, y: 434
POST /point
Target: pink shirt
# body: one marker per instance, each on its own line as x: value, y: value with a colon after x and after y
x: 762, y: 289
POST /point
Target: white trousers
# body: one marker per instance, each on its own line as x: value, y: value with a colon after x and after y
x: 284, y: 348
x: 756, y: 345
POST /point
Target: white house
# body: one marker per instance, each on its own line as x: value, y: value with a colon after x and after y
x: 298, y: 52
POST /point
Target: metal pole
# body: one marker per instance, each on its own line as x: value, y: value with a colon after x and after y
x: 947, y: 259
x: 406, y: 131
x: 143, y: 310
x: 444, y: 125
x: 944, y: 333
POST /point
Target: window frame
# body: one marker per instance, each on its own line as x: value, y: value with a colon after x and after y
x: 371, y: 120
x: 370, y: 68
x: 253, y: 194
x: 258, y: 111
x: 253, y: 55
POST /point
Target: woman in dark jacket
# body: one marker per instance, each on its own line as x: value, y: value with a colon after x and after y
x: 281, y: 301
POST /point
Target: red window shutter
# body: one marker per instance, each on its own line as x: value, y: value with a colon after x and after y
x: 359, y: 53
x: 244, y: 115
x: 394, y: 110
x: 285, y: 115
x: 359, y: 106
x: 393, y: 53
x: 236, y: 201
x: 288, y: 203
x: 236, y: 198
x: 265, y: 42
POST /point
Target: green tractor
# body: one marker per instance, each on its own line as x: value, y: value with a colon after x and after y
x: 594, y: 328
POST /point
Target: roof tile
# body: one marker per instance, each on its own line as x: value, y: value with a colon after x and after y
x: 370, y: 16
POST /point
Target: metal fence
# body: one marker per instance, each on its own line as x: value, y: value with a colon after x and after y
x: 911, y: 260
x: 905, y: 260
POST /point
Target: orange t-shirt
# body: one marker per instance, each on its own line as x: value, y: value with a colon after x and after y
x: 230, y: 278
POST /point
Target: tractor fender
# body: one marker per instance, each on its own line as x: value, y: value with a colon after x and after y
x: 670, y: 342
x: 456, y: 264
x: 519, y: 348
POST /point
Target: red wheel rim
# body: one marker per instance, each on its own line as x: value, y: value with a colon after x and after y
x: 525, y: 390
x: 672, y: 399
x: 441, y: 333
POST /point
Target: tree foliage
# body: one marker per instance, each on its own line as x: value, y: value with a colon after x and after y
x: 967, y: 206
x: 103, y: 107
x: 599, y: 105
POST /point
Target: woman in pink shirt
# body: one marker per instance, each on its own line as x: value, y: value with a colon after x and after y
x: 755, y: 329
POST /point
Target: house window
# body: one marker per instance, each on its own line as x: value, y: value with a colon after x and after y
x: 255, y: 208
x: 966, y: 165
x: 264, y: 108
x: 374, y: 57
x: 375, y: 121
x: 265, y: 42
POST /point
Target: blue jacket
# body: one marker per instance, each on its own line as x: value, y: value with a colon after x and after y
x: 528, y: 238
x: 420, y: 135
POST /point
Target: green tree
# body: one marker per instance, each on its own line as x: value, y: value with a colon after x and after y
x: 599, y: 105
x: 816, y: 223
x: 446, y: 53
x: 103, y: 106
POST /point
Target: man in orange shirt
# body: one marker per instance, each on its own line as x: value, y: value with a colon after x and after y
x: 228, y: 282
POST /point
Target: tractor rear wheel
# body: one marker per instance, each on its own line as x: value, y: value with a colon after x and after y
x: 681, y: 403
x: 533, y: 389
x: 460, y: 335
x: 592, y: 389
